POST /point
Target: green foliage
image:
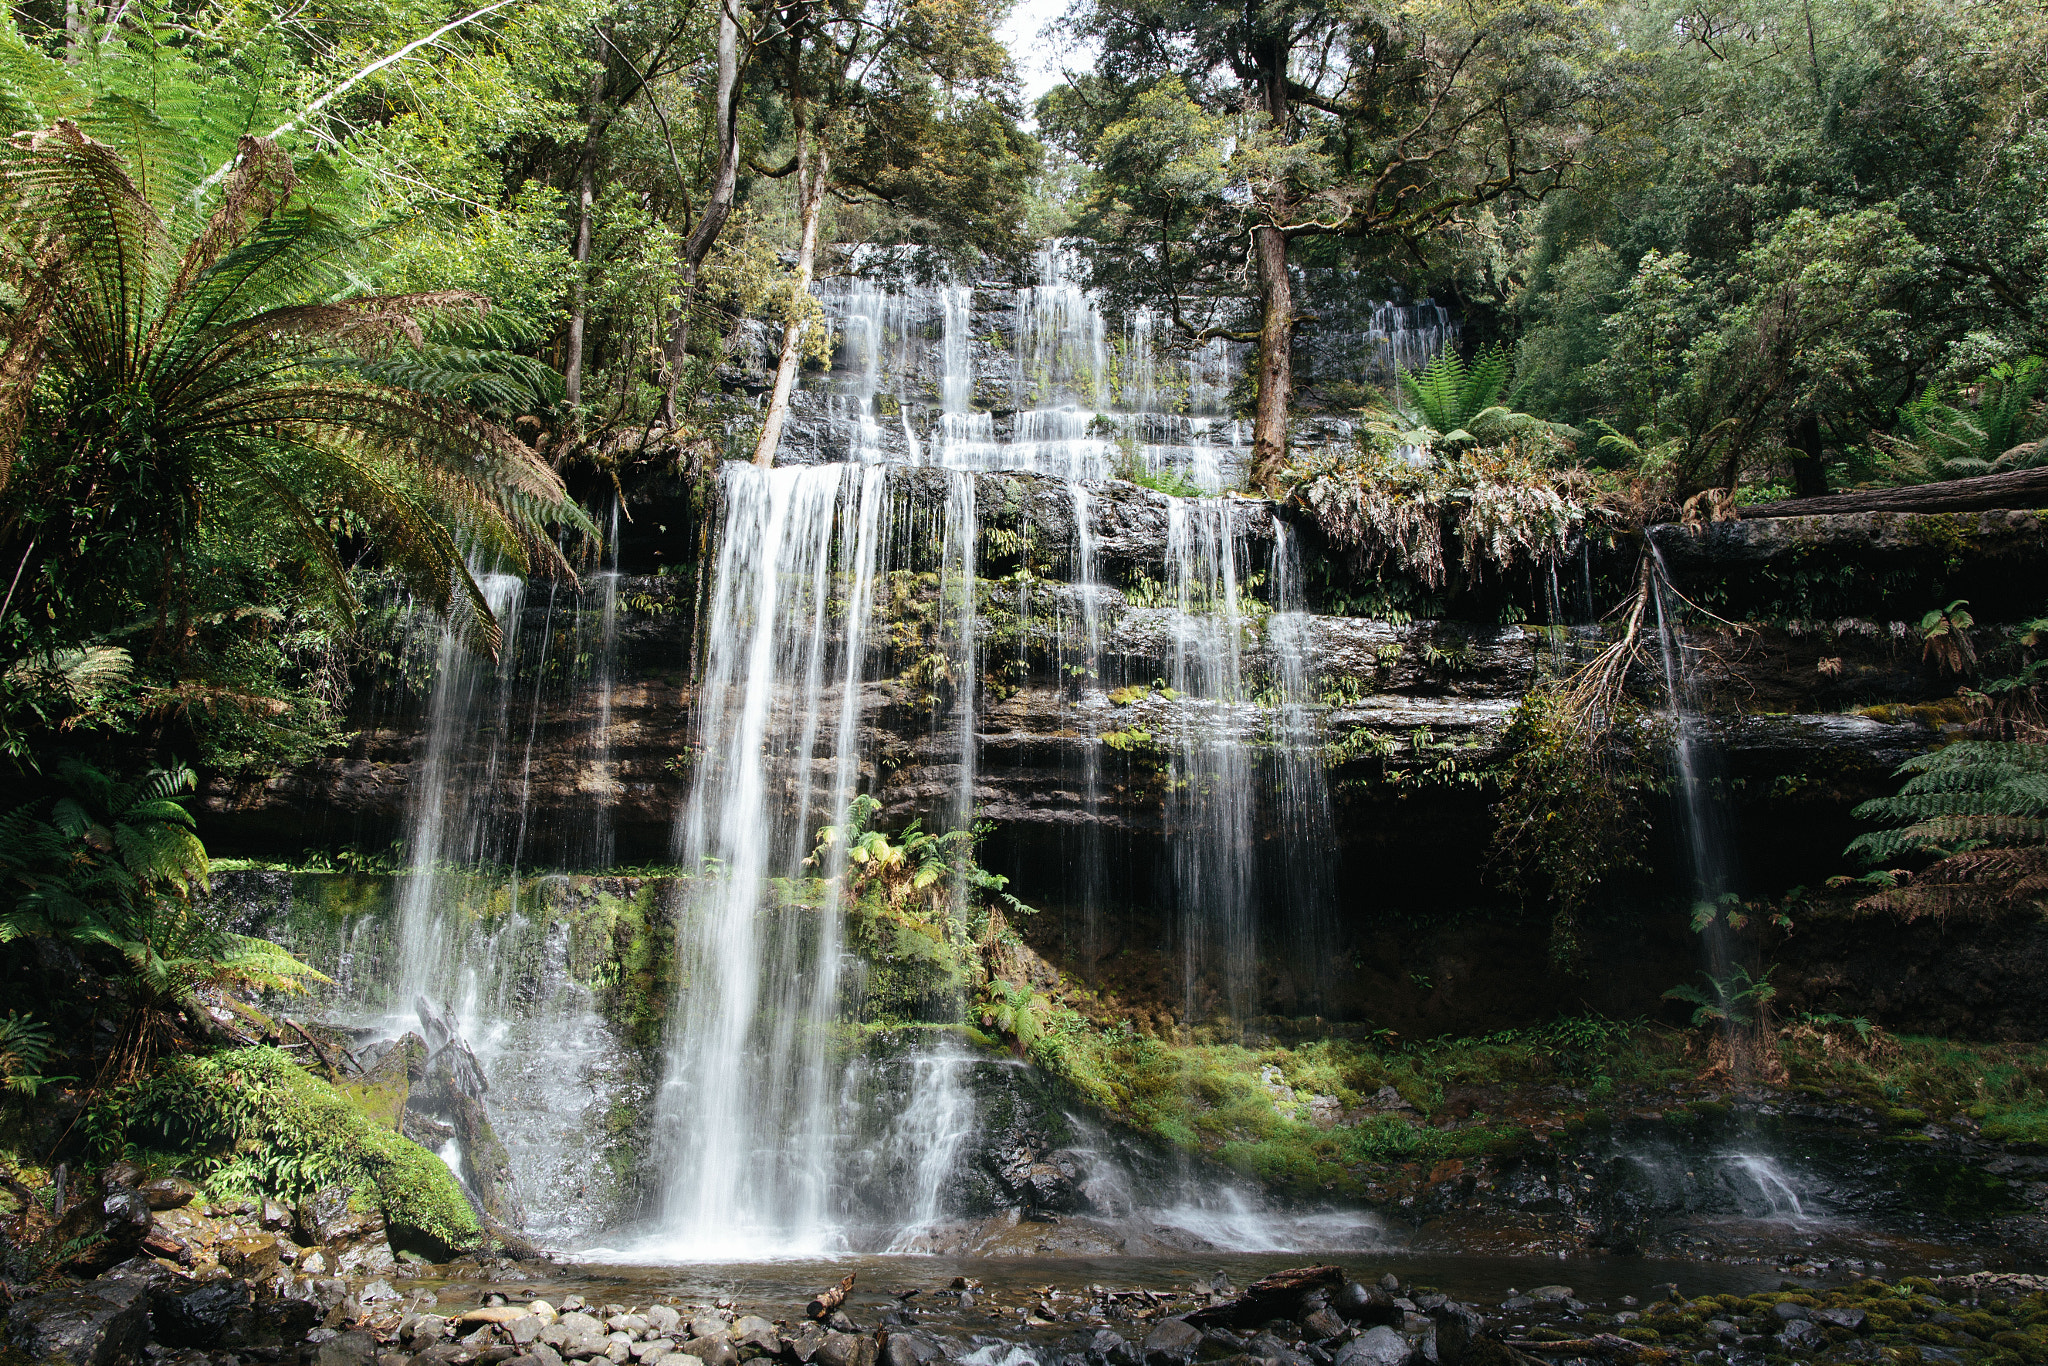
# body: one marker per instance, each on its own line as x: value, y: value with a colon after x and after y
x: 253, y: 1122
x: 1975, y: 814
x: 1572, y: 816
x: 1740, y: 998
x: 1484, y: 513
x: 1450, y: 392
x: 24, y: 1049
x: 1991, y: 425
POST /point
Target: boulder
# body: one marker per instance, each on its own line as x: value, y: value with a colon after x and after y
x: 110, y: 1226
x: 255, y: 1256
x: 87, y: 1325
x: 1852, y: 1318
x: 714, y: 1351
x: 1377, y: 1346
x: 844, y: 1349
x: 1364, y: 1303
x: 1172, y: 1342
x: 804, y: 1343
x: 753, y: 1331
x: 1458, y: 1326
x: 1801, y: 1336
x: 214, y: 1314
x: 168, y: 1192
x: 913, y: 1349
x: 348, y: 1349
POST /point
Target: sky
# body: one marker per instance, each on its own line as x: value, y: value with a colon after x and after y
x: 1038, y: 64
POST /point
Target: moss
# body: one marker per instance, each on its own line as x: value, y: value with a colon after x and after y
x: 252, y: 1122
x: 1947, y: 711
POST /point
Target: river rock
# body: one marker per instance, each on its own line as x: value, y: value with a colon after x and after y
x: 1377, y: 1346
x: 677, y: 1357
x: 1172, y: 1342
x: 255, y: 1256
x: 168, y: 1192
x: 1266, y: 1347
x: 539, y: 1354
x: 804, y: 1343
x: 348, y: 1349
x: 843, y: 1349
x: 87, y: 1325
x: 525, y: 1329
x: 1787, y: 1312
x: 716, y: 1350
x: 1364, y: 1303
x: 1550, y: 1294
x: 709, y: 1323
x: 751, y: 1330
x: 910, y: 1349
x: 207, y: 1316
x: 1324, y: 1324
x: 1852, y: 1318
x: 1458, y: 1326
x: 1802, y: 1336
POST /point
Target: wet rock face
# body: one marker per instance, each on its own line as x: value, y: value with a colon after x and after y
x: 100, y: 1324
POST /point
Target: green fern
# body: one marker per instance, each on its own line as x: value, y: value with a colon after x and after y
x: 199, y: 353
x: 1947, y: 437
x: 1449, y: 392
x: 1977, y: 811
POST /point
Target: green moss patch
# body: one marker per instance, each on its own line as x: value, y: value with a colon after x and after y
x: 253, y: 1122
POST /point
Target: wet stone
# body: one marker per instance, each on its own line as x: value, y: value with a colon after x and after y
x: 1172, y: 1342
x: 1377, y: 1346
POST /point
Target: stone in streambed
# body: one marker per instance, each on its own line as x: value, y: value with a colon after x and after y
x: 1800, y: 1337
x: 348, y: 1349
x: 751, y: 1330
x: 1364, y: 1304
x: 1852, y: 1318
x: 207, y: 1316
x: 910, y: 1349
x: 845, y: 1349
x: 713, y: 1351
x: 168, y: 1192
x: 804, y: 1343
x: 1377, y: 1346
x: 1173, y: 1342
x: 81, y: 1326
x: 664, y: 1319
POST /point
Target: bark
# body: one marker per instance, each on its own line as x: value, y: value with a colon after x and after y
x: 717, y: 208
x: 1276, y: 356
x: 1276, y: 293
x: 579, y: 287
x: 811, y: 187
x: 828, y: 1300
x: 1809, y: 469
x: 2013, y: 489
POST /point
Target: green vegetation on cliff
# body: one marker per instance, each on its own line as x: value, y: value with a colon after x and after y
x: 254, y: 1122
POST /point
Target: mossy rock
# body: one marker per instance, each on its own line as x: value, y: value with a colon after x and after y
x: 255, y: 1123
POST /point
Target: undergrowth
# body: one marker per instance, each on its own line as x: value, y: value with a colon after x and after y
x: 252, y: 1122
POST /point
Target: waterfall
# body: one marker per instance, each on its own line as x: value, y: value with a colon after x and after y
x: 1087, y: 684
x: 1209, y: 808
x: 1707, y: 843
x: 929, y: 1133
x: 743, y: 1116
x: 1306, y: 826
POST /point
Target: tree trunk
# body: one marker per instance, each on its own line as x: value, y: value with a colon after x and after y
x: 1276, y: 293
x: 1276, y: 357
x: 1809, y: 467
x: 579, y: 285
x: 811, y: 188
x: 1984, y: 492
x: 717, y: 209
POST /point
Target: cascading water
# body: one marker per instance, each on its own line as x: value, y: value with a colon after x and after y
x: 744, y: 1123
x: 1303, y: 789
x: 1209, y: 810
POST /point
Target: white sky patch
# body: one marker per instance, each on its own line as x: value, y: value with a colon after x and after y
x: 1041, y: 63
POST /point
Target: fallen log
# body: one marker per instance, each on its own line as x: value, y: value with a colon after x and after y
x: 829, y: 1300
x: 1269, y: 1297
x: 2011, y: 489
x: 1599, y: 1345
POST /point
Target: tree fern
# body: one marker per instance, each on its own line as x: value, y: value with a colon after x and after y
x: 194, y: 362
x: 1976, y: 813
